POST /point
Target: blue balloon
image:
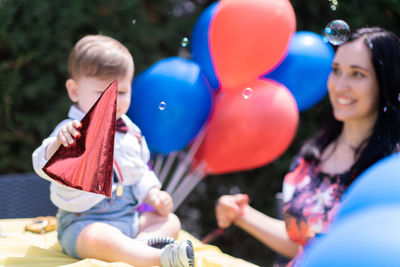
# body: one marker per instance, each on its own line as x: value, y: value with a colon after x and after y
x: 305, y: 69
x: 378, y: 185
x: 200, y: 48
x: 170, y: 103
x: 369, y: 238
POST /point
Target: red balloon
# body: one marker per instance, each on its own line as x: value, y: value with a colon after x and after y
x: 249, y: 37
x: 249, y: 128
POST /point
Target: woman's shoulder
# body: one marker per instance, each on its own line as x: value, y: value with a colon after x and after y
x: 295, y: 162
x: 301, y: 168
x: 298, y: 170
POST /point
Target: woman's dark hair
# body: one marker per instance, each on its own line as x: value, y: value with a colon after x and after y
x: 385, y: 137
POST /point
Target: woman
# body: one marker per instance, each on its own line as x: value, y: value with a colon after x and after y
x: 363, y: 127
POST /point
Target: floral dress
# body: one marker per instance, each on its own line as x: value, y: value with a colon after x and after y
x: 310, y: 200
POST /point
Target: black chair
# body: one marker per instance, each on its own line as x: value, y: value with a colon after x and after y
x: 24, y: 195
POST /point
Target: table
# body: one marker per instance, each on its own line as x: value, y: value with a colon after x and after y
x: 21, y: 248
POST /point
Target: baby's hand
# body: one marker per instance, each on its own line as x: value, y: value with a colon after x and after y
x: 161, y: 201
x: 68, y: 133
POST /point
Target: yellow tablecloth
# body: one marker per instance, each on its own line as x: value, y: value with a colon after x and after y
x: 20, y: 248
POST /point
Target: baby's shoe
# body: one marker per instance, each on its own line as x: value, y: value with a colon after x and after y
x: 160, y: 241
x: 178, y: 255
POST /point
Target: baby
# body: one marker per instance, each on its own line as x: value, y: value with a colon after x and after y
x: 92, y: 225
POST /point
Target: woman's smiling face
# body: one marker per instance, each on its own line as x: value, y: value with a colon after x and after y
x: 352, y: 85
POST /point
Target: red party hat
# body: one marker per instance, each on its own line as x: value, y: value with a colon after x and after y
x: 88, y: 164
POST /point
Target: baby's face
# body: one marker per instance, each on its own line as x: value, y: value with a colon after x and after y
x: 89, y: 90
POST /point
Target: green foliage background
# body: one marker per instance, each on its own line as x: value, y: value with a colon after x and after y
x: 37, y: 35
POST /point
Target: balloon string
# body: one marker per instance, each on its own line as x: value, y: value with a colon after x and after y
x: 158, y: 162
x: 184, y: 164
x: 213, y: 235
x: 199, y: 170
x: 167, y: 166
x: 188, y: 184
x: 177, y: 194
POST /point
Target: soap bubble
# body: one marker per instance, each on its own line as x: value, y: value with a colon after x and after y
x: 337, y: 32
x: 184, y: 42
x: 162, y: 105
x: 247, y: 92
x: 334, y: 4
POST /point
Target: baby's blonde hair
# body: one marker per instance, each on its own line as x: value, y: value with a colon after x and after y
x: 99, y: 56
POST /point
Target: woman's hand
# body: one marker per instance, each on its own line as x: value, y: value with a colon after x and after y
x: 229, y: 208
x: 270, y: 231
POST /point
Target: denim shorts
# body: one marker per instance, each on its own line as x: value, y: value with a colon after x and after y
x: 119, y: 212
